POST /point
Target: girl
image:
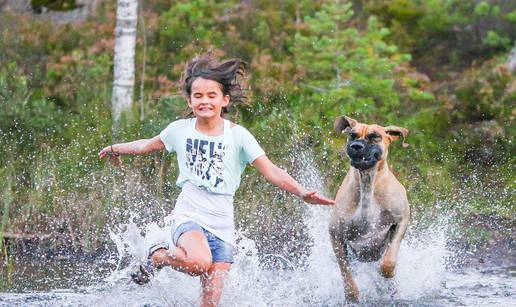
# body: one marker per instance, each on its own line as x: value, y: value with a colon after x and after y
x: 212, y: 153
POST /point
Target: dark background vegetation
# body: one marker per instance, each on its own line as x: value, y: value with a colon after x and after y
x: 436, y: 67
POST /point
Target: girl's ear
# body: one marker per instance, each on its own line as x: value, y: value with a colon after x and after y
x: 227, y: 100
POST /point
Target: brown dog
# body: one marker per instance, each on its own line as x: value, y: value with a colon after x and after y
x: 371, y: 212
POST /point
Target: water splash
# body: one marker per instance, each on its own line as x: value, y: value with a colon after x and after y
x: 422, y: 276
x: 420, y: 273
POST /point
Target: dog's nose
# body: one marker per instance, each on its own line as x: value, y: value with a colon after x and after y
x: 357, y: 146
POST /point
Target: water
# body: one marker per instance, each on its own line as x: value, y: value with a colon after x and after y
x: 422, y: 279
x: 424, y: 276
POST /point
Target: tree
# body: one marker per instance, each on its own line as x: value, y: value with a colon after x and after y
x: 343, y: 70
x: 125, y: 42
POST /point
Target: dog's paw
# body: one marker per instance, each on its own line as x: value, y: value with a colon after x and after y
x: 352, y: 294
x: 352, y: 297
x: 387, y: 269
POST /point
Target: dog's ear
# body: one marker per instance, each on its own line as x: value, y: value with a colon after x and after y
x: 344, y: 123
x: 396, y: 132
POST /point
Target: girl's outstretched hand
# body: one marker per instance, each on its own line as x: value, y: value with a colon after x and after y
x: 316, y: 199
x: 113, y: 158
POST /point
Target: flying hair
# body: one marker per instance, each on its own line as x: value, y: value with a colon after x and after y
x: 230, y: 74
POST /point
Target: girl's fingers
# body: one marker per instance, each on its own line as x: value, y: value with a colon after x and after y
x: 314, y: 198
x: 310, y: 194
x: 103, y: 153
x: 327, y: 200
x: 111, y: 158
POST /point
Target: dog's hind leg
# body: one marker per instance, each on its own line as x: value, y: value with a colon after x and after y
x: 391, y: 253
x: 339, y: 247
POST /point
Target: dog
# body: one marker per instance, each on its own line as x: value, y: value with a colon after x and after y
x: 371, y: 211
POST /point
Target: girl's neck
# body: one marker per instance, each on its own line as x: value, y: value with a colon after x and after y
x: 210, y: 126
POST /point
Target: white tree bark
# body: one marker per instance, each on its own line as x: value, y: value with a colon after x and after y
x: 511, y: 61
x: 125, y: 42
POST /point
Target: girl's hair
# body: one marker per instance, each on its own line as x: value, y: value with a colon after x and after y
x: 230, y: 74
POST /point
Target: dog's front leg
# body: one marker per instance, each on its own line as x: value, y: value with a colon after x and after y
x: 339, y: 247
x: 391, y: 253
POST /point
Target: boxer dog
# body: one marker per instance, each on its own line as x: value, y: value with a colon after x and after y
x: 371, y: 211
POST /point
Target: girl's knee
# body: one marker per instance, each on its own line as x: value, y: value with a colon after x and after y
x: 201, y: 264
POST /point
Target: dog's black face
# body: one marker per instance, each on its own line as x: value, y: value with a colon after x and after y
x: 363, y: 155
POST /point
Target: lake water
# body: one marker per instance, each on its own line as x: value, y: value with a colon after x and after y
x: 424, y: 277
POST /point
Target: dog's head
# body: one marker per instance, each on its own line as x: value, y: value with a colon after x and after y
x: 368, y: 144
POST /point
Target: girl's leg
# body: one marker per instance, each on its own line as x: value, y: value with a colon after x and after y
x: 213, y: 282
x: 192, y: 254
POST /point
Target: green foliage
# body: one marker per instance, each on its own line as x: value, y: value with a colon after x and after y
x: 310, y: 62
x: 482, y: 113
x: 486, y: 93
x: 511, y: 16
x: 6, y: 202
x: 495, y: 40
x: 343, y: 70
x: 54, y: 5
x: 482, y: 8
x: 447, y: 30
x: 188, y: 28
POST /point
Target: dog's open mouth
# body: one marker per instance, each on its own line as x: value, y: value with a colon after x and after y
x: 363, y: 163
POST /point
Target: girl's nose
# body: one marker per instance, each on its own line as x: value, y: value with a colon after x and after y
x: 204, y: 100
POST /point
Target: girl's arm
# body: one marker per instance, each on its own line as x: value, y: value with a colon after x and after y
x: 283, y: 180
x: 138, y: 147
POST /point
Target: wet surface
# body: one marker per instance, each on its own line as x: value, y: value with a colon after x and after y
x: 492, y: 287
x: 427, y: 275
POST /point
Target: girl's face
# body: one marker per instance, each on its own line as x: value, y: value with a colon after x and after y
x: 206, y: 99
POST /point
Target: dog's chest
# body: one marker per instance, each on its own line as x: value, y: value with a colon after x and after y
x: 369, y: 222
x: 369, y: 236
x: 366, y: 223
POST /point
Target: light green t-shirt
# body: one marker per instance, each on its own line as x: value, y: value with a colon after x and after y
x: 214, y: 163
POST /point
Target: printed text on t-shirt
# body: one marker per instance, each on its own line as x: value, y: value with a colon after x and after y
x: 205, y: 160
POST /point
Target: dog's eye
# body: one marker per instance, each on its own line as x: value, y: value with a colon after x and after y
x: 373, y: 137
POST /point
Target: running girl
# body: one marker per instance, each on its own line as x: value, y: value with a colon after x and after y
x: 212, y: 153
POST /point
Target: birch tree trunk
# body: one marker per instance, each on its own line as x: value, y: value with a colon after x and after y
x: 511, y: 61
x: 123, y: 75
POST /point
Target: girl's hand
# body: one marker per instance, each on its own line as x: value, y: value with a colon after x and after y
x: 316, y: 199
x: 113, y: 157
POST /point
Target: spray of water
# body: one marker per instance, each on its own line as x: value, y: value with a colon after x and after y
x: 420, y: 270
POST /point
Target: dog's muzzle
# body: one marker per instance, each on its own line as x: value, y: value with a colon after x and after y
x: 363, y: 156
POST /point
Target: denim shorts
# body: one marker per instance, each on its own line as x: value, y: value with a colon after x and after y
x: 220, y: 250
